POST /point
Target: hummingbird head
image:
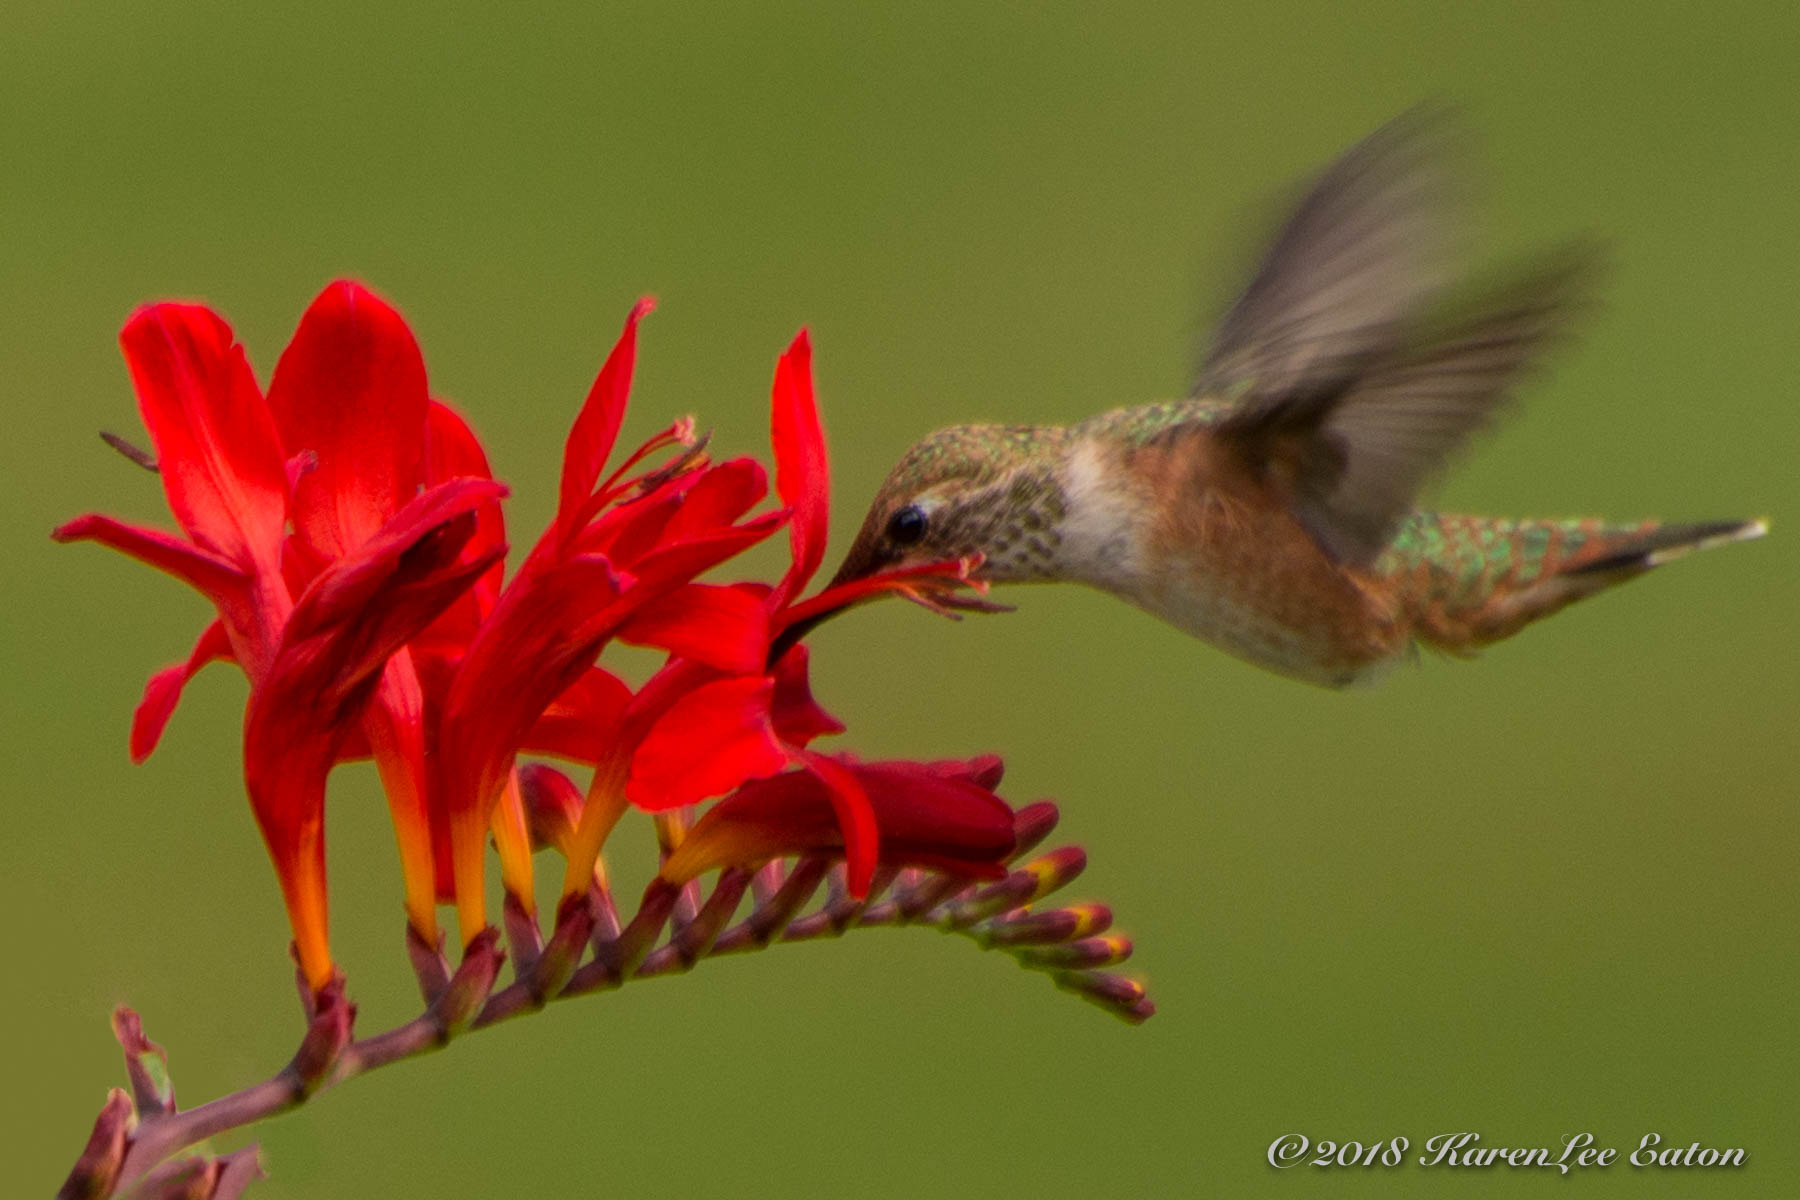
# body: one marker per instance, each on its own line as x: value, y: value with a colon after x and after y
x: 991, y: 490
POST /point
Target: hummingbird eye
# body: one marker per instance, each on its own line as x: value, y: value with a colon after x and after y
x: 906, y: 526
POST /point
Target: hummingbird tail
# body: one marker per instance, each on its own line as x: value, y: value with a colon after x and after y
x: 1468, y: 581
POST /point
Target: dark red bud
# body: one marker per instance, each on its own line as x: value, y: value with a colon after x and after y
x: 191, y: 1178
x: 327, y: 1033
x: 469, y: 987
x: 429, y: 966
x: 695, y: 939
x: 1084, y: 955
x: 1031, y: 825
x: 1124, y: 998
x: 523, y: 938
x: 98, y: 1167
x: 237, y: 1171
x: 574, y: 923
x: 1057, y: 925
x: 625, y: 954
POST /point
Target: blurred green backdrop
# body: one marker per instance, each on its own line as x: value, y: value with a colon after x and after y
x: 1549, y: 891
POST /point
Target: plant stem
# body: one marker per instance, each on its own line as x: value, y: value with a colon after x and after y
x: 919, y: 897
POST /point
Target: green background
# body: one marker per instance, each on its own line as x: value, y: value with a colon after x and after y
x: 1548, y: 891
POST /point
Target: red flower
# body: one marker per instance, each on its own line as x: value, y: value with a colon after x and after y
x: 222, y: 471
x: 356, y: 613
x: 350, y: 398
x: 699, y: 729
x: 803, y: 477
x: 616, y: 547
x: 939, y: 815
x: 402, y: 643
x: 312, y: 661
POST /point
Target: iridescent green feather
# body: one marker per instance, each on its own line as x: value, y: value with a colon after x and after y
x: 1469, y: 556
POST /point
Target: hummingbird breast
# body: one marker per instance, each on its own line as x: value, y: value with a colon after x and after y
x: 1180, y: 530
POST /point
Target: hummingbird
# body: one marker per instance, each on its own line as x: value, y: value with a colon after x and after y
x: 1271, y: 512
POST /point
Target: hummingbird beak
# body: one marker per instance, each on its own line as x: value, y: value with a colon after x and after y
x: 854, y: 567
x: 789, y: 637
x: 933, y: 585
x: 860, y: 561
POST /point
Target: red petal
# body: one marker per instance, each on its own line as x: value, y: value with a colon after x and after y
x: 628, y: 532
x: 722, y: 627
x: 597, y: 426
x: 802, y: 475
x: 286, y: 761
x: 350, y: 390
x: 524, y: 655
x: 217, y: 448
x: 855, y: 816
x: 451, y: 448
x: 719, y: 497
x: 250, y: 613
x: 583, y: 722
x: 940, y: 809
x: 677, y: 562
x: 677, y: 678
x: 453, y: 452
x: 370, y: 602
x: 706, y: 743
x: 798, y: 717
x: 763, y: 819
x: 394, y: 729
x: 200, y: 569
x: 984, y: 770
x: 163, y: 691
x: 924, y: 818
x: 669, y: 567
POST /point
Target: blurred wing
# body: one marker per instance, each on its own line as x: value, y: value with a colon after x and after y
x: 1367, y: 246
x: 1351, y: 453
x: 1342, y: 397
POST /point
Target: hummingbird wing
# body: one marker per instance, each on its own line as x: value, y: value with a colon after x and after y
x: 1352, y: 458
x: 1346, y: 399
x: 1368, y: 245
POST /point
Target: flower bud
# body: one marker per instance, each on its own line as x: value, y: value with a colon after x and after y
x: 146, y: 1063
x: 98, y: 1166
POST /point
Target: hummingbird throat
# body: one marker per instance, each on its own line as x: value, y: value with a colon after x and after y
x: 1014, y: 520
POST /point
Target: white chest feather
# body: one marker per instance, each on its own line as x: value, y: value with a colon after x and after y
x: 1100, y: 536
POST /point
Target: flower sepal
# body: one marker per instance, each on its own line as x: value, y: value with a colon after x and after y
x: 330, y: 1020
x: 429, y: 965
x: 146, y: 1064
x: 470, y: 987
x: 196, y: 1178
x: 524, y: 940
x: 562, y: 953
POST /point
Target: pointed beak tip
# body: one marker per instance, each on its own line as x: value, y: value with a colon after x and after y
x: 853, y: 567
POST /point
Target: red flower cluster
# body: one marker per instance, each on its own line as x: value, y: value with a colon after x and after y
x: 347, y: 530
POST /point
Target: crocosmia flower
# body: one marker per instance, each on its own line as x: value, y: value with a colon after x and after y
x: 618, y: 560
x: 315, y: 641
x: 348, y: 532
x: 743, y: 710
